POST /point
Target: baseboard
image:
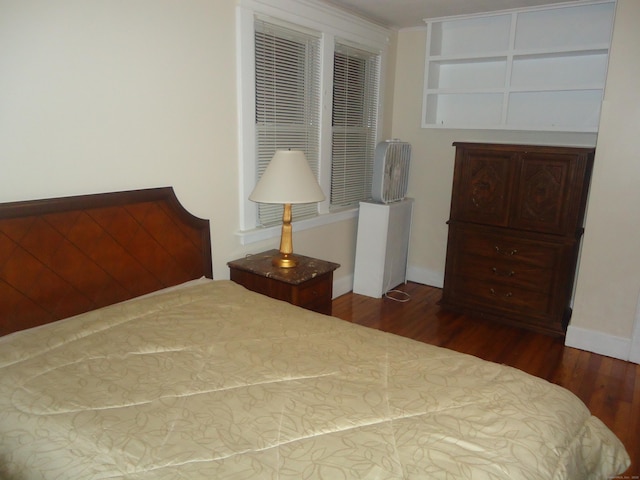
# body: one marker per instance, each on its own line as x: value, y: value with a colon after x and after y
x: 342, y: 285
x: 599, y: 342
x: 425, y: 276
x: 634, y: 355
x: 634, y: 350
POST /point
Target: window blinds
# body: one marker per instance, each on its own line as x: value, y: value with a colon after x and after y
x: 287, y: 66
x: 354, y: 124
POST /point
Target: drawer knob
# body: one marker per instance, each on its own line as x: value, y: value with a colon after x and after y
x: 505, y: 252
x: 506, y: 295
x: 503, y: 273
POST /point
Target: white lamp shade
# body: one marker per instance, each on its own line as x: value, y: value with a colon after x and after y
x: 287, y: 179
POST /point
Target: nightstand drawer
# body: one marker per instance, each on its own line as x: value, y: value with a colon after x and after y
x: 319, y: 290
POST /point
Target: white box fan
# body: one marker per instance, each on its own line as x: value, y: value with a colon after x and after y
x: 390, y: 171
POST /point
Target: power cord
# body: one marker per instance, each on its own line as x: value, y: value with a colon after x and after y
x: 404, y: 296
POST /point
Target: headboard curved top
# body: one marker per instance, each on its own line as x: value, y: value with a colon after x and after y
x: 64, y: 256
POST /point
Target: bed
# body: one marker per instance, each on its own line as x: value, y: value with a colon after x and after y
x: 133, y: 363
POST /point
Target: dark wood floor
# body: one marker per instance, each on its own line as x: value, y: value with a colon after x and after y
x: 609, y: 387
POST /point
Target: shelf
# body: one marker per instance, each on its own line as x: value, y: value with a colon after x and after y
x: 559, y: 70
x: 528, y: 69
x: 566, y: 110
x: 565, y: 27
x: 478, y: 74
x: 452, y: 37
x: 448, y: 110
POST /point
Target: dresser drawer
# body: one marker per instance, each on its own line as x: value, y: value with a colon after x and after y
x: 499, y: 297
x: 504, y: 271
x: 507, y: 248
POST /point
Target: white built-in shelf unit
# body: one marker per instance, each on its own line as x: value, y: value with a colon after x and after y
x: 527, y: 69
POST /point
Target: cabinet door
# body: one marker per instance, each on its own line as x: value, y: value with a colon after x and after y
x: 482, y: 186
x: 548, y: 194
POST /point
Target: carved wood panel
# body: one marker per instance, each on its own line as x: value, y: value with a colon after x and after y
x: 483, y: 188
x: 543, y: 200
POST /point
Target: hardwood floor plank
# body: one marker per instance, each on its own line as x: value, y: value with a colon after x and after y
x: 566, y: 367
x: 605, y: 398
x: 632, y: 433
x: 609, y: 387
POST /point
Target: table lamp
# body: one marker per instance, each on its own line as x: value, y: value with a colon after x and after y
x: 288, y: 180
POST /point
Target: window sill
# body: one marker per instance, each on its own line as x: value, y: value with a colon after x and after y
x: 264, y: 233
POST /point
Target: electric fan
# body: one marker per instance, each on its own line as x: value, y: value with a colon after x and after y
x: 390, y: 171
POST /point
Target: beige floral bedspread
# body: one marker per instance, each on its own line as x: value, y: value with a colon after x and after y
x: 213, y: 382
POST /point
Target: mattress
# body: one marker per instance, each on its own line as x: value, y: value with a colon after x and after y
x: 214, y: 381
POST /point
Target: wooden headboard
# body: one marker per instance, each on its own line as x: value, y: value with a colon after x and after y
x: 64, y: 256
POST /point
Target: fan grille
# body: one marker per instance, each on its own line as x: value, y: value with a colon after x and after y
x: 391, y: 171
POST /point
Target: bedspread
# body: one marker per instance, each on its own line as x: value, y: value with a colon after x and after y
x: 214, y: 381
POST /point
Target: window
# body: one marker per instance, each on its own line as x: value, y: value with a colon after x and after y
x: 355, y: 100
x: 287, y: 104
x: 309, y: 80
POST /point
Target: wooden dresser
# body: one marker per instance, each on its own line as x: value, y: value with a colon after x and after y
x: 515, y: 226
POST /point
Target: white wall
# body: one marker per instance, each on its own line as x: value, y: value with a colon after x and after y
x: 606, y: 299
x: 105, y: 96
x: 609, y: 275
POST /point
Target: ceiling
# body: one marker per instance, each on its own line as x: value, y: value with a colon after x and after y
x: 399, y: 14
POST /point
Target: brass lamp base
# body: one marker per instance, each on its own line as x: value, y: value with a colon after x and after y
x: 284, y: 260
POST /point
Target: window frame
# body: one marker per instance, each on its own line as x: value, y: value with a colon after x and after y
x: 333, y: 26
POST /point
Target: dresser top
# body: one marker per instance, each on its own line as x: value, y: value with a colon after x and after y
x: 496, y: 147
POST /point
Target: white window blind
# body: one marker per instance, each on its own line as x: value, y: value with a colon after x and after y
x: 287, y: 81
x: 354, y: 124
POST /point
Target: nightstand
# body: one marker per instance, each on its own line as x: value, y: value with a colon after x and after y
x: 308, y: 285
